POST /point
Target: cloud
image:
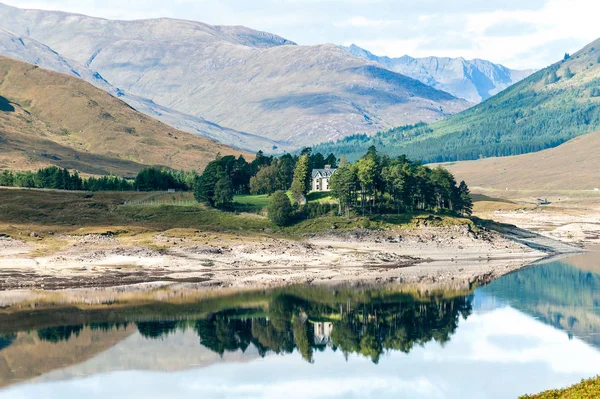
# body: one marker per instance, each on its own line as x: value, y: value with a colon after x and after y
x: 506, y: 31
x: 511, y: 28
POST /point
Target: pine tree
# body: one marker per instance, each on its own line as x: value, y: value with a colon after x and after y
x: 568, y: 73
x: 466, y: 203
x: 302, y: 178
x: 223, y: 193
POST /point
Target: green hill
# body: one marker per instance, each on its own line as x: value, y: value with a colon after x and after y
x: 543, y: 111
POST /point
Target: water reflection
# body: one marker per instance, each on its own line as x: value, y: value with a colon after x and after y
x: 502, y: 340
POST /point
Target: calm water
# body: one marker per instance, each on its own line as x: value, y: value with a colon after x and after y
x: 526, y: 332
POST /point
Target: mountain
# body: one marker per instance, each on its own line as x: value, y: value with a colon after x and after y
x: 543, y: 111
x: 48, y: 118
x: 473, y: 80
x: 574, y: 165
x: 246, y: 80
x: 26, y: 49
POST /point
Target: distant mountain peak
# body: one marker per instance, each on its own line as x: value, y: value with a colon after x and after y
x: 473, y: 80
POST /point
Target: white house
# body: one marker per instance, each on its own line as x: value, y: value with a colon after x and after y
x: 320, y: 178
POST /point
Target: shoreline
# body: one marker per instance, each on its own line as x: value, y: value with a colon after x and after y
x: 433, y: 257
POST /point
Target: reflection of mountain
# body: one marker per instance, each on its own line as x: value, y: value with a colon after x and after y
x: 31, y: 354
x: 558, y: 293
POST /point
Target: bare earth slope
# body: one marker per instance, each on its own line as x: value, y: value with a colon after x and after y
x: 47, y: 118
x: 574, y: 165
x: 247, y: 80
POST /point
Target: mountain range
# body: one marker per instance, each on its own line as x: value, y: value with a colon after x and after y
x: 546, y: 109
x: 473, y: 80
x: 276, y: 92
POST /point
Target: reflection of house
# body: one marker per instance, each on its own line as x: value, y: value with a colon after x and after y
x: 320, y: 178
x: 323, y: 332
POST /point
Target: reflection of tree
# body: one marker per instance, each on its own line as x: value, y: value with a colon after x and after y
x: 302, y: 337
x: 224, y: 334
x: 306, y: 319
x: 6, y: 340
x: 61, y: 333
x: 367, y: 329
x: 156, y: 329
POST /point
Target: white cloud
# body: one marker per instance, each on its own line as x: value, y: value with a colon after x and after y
x: 520, y: 34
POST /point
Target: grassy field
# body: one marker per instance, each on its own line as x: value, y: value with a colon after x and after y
x: 588, y: 389
x: 49, y: 213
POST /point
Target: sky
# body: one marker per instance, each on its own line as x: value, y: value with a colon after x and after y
x: 517, y: 33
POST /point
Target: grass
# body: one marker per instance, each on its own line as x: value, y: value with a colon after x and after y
x: 252, y: 203
x: 588, y: 389
x: 52, y: 213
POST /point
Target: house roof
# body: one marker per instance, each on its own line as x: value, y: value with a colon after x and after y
x: 323, y: 172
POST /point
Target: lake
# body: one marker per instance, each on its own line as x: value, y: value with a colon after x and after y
x: 526, y: 332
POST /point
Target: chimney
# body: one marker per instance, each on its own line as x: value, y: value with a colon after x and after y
x: 327, y: 166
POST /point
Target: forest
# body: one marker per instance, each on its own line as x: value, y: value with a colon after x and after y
x: 538, y: 113
x: 375, y: 184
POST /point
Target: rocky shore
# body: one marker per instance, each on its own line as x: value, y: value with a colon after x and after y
x: 454, y: 256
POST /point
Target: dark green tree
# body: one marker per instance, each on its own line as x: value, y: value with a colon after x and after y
x: 223, y: 194
x: 302, y: 178
x: 280, y: 209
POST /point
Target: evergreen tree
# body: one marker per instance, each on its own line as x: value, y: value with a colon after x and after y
x: 466, y: 203
x: 302, y: 178
x: 223, y: 192
x: 551, y: 78
x: 343, y: 187
x: 280, y: 209
x: 204, y: 190
x: 568, y: 73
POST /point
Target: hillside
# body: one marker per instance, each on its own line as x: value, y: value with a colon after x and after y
x: 47, y: 118
x: 26, y: 49
x: 249, y: 81
x: 543, y: 111
x: 574, y: 165
x: 473, y: 80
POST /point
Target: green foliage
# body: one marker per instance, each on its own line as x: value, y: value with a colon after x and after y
x: 61, y: 179
x: 265, y: 181
x: 552, y: 77
x: 223, y: 194
x: 568, y: 73
x: 280, y: 209
x: 155, y: 179
x: 302, y: 178
x: 537, y: 113
x: 379, y: 184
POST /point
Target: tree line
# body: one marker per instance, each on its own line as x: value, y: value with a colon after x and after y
x: 378, y: 184
x: 52, y: 177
